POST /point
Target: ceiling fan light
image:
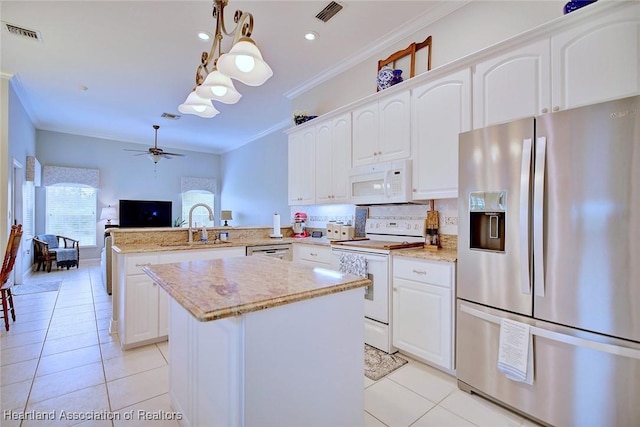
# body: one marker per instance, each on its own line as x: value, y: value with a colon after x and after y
x: 197, y: 105
x: 244, y: 63
x: 218, y: 87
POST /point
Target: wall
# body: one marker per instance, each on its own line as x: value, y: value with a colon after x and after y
x: 254, y: 181
x: 18, y: 141
x: 122, y: 174
x: 468, y: 29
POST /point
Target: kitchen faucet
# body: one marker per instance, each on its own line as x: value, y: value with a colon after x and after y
x: 191, y: 218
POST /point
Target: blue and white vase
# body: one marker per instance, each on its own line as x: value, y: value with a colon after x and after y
x: 397, y: 77
x: 385, y: 76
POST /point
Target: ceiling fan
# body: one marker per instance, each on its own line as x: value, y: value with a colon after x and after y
x: 155, y: 153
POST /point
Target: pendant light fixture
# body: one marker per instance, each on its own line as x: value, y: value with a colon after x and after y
x: 243, y: 63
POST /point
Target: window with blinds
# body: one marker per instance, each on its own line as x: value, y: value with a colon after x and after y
x: 28, y: 210
x: 200, y: 214
x: 71, y: 212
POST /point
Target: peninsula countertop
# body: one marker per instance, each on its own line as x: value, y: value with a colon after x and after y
x: 215, y: 289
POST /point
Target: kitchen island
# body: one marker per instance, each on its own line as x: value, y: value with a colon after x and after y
x: 259, y: 341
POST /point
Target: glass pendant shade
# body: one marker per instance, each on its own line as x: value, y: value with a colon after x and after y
x: 244, y: 63
x: 155, y: 158
x: 199, y: 106
x: 218, y: 87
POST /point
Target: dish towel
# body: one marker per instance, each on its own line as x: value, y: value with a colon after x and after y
x: 352, y: 264
x: 515, y: 354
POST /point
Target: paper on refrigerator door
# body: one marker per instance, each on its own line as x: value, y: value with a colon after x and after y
x: 515, y: 353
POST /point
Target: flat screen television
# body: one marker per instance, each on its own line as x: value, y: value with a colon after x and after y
x: 145, y: 213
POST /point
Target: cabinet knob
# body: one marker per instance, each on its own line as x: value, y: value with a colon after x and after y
x: 556, y: 108
x: 545, y: 110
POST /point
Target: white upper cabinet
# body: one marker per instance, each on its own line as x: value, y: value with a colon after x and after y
x: 597, y: 61
x: 302, y: 167
x: 333, y: 159
x: 381, y: 130
x: 440, y: 110
x: 513, y: 85
x: 594, y: 61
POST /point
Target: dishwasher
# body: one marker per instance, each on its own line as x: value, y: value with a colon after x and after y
x: 282, y: 251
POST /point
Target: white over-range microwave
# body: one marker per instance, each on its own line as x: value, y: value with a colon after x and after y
x: 381, y: 183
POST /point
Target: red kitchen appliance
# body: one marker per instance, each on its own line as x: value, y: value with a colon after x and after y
x: 299, y: 225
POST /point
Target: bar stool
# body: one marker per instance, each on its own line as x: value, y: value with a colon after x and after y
x: 7, y: 267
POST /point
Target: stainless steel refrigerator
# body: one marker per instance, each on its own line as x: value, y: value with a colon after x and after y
x: 549, y: 236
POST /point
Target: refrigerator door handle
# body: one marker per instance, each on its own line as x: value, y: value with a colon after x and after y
x: 559, y: 337
x: 538, y: 215
x: 525, y: 178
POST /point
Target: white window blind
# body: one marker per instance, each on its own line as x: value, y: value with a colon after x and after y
x: 28, y: 209
x: 71, y: 212
x: 200, y: 214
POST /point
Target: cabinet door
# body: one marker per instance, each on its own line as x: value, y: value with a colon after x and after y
x: 422, y: 321
x: 440, y: 110
x: 511, y: 86
x: 324, y: 162
x: 302, y: 167
x: 163, y: 312
x: 341, y: 158
x: 365, y: 134
x: 394, y: 127
x: 598, y: 61
x: 141, y: 309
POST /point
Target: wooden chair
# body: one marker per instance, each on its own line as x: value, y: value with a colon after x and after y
x: 411, y: 51
x: 50, y: 248
x: 7, y: 267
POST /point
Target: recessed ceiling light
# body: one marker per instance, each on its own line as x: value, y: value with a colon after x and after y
x: 311, y: 35
x: 203, y: 35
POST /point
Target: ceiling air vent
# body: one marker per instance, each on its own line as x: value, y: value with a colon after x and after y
x: 170, y: 116
x: 329, y: 11
x: 23, y: 32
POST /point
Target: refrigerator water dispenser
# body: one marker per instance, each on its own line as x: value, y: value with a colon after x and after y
x: 487, y: 219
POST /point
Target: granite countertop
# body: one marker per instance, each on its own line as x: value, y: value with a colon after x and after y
x: 228, y: 287
x: 447, y: 255
x: 181, y: 246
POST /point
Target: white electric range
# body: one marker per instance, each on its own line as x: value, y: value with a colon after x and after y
x: 382, y: 237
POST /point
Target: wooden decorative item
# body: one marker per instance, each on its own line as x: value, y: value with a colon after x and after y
x: 411, y: 51
x: 433, y: 224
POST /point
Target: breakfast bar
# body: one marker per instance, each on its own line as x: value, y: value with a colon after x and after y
x: 256, y: 341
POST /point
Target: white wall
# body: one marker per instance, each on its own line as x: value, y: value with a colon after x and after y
x: 122, y: 175
x: 20, y: 143
x: 254, y: 181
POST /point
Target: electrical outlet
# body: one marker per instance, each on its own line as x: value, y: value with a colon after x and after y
x: 451, y: 220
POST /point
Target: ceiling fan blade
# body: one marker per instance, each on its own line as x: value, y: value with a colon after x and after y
x: 142, y: 154
x: 174, y: 154
x: 139, y: 151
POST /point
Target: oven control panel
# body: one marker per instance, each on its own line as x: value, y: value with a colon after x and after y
x: 397, y: 227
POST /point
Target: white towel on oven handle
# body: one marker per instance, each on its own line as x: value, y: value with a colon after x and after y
x: 352, y: 264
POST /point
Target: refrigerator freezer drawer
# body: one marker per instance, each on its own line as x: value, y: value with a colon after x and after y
x: 580, y: 378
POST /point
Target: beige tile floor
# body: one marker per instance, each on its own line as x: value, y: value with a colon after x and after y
x: 59, y: 356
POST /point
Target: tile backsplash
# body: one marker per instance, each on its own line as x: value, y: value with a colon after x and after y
x: 319, y: 215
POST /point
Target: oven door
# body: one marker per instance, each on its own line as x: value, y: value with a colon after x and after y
x: 376, y: 296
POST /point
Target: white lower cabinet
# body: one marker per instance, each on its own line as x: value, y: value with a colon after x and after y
x: 143, y: 306
x: 423, y: 315
x: 312, y: 255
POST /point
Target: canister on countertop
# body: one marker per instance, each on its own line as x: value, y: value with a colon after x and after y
x: 347, y: 232
x: 331, y: 225
x: 336, y: 230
